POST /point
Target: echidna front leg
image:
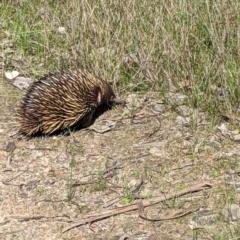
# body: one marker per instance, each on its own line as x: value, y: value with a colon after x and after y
x: 86, y: 120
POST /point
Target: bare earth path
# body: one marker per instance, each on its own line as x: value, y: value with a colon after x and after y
x: 48, y: 183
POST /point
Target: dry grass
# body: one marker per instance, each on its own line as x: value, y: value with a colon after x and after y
x: 135, y: 44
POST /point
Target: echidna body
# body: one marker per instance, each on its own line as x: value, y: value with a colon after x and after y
x: 60, y: 100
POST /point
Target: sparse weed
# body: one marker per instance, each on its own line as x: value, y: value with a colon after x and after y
x: 215, y: 174
x: 148, y: 196
x: 70, y: 192
x: 127, y: 199
x: 181, y: 187
x: 136, y: 174
x: 100, y: 186
x: 148, y: 173
x: 72, y: 149
x: 128, y: 193
x: 41, y: 190
x: 52, y: 173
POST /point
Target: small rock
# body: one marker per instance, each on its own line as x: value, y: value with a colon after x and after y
x: 156, y: 152
x: 22, y: 82
x: 11, y: 75
x: 132, y: 98
x: 10, y: 147
x: 103, y: 127
x: 181, y: 120
x: 236, y: 137
x: 216, y: 145
x: 223, y: 129
x: 176, y: 99
x: 184, y: 110
x: 233, y: 152
x: 235, y: 132
x: 158, y: 107
x: 203, y: 218
x: 62, y: 30
x: 232, y: 212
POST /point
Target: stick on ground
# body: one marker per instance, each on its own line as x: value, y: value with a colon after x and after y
x: 108, y: 213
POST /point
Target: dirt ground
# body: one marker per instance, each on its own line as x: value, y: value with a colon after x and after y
x: 140, y: 151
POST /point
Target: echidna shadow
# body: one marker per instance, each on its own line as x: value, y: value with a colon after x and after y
x: 62, y: 102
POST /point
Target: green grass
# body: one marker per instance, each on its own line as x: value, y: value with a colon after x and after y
x: 137, y: 45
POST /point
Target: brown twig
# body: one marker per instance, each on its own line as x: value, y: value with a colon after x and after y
x: 77, y: 184
x: 143, y: 215
x: 23, y: 219
x: 98, y: 216
x: 9, y: 180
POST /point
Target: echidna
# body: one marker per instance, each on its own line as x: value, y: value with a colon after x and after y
x: 60, y: 100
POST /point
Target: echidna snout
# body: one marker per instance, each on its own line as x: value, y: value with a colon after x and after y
x: 60, y: 100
